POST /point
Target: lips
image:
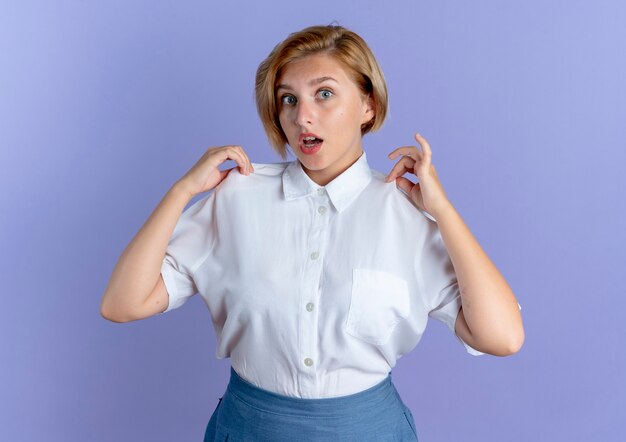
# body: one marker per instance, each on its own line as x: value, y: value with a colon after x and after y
x: 311, y: 147
x: 308, y: 134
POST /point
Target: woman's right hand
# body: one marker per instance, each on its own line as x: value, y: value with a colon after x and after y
x: 204, y: 175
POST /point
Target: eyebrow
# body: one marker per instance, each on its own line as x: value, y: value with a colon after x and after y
x: 311, y: 83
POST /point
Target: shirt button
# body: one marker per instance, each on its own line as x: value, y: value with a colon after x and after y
x: 321, y: 209
x: 314, y: 255
x: 308, y: 362
x: 309, y: 306
x: 320, y: 191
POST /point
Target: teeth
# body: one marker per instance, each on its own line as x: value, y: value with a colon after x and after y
x: 309, y: 138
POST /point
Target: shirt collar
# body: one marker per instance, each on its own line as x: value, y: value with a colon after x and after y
x: 342, y: 190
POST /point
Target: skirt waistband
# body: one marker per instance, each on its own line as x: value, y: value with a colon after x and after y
x: 379, y: 395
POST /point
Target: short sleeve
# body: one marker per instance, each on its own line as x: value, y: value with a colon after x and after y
x: 438, y: 282
x: 190, y: 244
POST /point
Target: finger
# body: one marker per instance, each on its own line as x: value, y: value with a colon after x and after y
x: 249, y: 163
x: 406, y: 164
x: 425, y: 146
x: 411, y: 151
x: 405, y: 184
x: 396, y: 151
x: 224, y: 173
x: 244, y: 160
x: 237, y: 156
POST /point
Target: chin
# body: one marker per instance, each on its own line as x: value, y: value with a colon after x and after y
x: 312, y: 163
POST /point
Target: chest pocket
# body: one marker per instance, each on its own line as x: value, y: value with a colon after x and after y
x: 379, y: 301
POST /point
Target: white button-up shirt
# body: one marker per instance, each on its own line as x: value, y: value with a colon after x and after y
x: 313, y: 291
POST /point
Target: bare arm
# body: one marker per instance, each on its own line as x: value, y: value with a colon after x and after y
x: 489, y: 320
x: 137, y: 273
x: 136, y: 289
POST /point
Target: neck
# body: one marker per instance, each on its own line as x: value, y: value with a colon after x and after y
x: 323, y: 177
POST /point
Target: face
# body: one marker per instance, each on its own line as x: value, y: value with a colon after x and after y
x: 315, y: 96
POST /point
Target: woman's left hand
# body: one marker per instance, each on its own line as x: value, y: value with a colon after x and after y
x: 428, y: 195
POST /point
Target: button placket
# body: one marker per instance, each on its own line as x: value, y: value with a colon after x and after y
x: 309, y: 294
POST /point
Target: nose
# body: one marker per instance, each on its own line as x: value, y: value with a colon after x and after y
x: 304, y: 113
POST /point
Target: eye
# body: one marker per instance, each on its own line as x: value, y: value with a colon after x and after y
x: 285, y: 97
x: 326, y: 90
x: 282, y: 99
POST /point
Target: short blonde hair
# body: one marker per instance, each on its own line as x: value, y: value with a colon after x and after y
x: 344, y: 46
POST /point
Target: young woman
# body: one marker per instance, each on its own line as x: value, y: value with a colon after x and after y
x: 319, y: 273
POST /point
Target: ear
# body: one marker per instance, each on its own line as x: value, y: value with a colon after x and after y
x: 368, y: 109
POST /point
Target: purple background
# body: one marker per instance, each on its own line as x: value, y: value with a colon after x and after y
x: 104, y: 105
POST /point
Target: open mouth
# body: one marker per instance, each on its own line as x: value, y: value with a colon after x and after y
x: 312, y: 143
x: 312, y: 147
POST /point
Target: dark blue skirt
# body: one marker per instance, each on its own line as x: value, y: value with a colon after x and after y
x: 248, y: 413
